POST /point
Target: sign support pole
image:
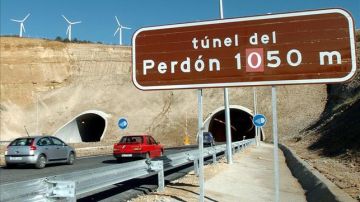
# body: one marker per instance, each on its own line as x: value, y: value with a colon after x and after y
x: 227, y: 110
x: 275, y: 140
x: 201, y: 146
x: 227, y: 125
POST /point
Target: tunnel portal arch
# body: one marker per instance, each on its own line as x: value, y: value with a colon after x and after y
x: 241, y: 124
x: 88, y: 126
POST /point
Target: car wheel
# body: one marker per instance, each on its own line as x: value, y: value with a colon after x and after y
x: 119, y: 160
x: 71, y: 158
x: 41, y: 162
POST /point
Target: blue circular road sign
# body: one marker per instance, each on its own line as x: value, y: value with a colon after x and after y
x: 122, y: 123
x: 259, y: 120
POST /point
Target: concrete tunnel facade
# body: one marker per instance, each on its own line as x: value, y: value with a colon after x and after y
x: 241, y: 124
x: 88, y: 126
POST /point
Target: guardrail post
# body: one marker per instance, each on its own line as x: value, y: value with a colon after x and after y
x: 158, y: 166
x: 196, y: 166
x: 61, y: 190
x: 214, y: 158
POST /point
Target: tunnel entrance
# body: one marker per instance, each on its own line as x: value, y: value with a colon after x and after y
x: 241, y: 124
x: 89, y: 126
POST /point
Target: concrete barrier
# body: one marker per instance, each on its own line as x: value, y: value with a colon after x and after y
x: 318, y: 188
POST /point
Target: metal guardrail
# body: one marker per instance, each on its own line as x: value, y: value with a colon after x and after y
x: 68, y: 186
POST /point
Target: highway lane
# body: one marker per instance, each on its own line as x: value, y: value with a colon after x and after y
x: 23, y: 173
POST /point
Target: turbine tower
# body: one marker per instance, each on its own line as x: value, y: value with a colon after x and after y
x: 119, y: 29
x: 22, y: 27
x: 68, y: 31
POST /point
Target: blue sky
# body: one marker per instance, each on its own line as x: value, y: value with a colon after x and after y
x: 98, y: 21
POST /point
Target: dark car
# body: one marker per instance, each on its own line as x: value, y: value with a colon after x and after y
x: 208, y: 139
x: 38, y: 151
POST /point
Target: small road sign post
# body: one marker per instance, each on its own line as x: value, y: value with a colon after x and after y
x: 123, y: 123
x: 259, y: 121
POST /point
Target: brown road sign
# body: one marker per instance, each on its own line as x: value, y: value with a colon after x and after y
x: 291, y: 48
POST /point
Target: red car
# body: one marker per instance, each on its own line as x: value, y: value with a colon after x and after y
x: 137, y: 146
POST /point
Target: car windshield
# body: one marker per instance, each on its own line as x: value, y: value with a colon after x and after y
x: 132, y: 139
x: 207, y: 135
x: 22, y: 142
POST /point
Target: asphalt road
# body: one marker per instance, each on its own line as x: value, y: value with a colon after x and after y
x: 23, y: 173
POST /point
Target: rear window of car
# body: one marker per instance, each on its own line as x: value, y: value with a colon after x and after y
x: 22, y: 142
x: 132, y: 139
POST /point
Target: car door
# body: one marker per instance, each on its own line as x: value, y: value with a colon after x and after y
x: 45, y: 146
x: 148, y: 146
x: 155, y: 147
x: 60, y: 149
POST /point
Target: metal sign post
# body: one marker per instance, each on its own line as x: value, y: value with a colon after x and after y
x: 275, y: 140
x: 227, y: 109
x: 201, y: 146
x: 255, y: 112
x: 227, y: 127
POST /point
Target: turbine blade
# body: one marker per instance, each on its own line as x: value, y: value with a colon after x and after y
x: 26, y: 17
x: 116, y: 31
x: 15, y: 20
x: 73, y: 23
x: 66, y: 19
x: 117, y: 20
x: 125, y: 27
x: 22, y: 27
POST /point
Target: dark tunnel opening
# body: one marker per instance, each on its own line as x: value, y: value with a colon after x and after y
x: 91, y: 127
x: 241, y: 125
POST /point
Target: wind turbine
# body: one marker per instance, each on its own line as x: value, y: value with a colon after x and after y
x: 68, y: 31
x: 119, y: 29
x: 22, y: 27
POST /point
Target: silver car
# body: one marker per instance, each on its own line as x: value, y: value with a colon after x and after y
x: 39, y: 151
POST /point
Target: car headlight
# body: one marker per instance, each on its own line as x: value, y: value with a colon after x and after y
x: 6, y: 152
x: 31, y: 152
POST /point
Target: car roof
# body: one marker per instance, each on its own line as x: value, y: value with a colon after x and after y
x: 137, y: 135
x: 35, y: 136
